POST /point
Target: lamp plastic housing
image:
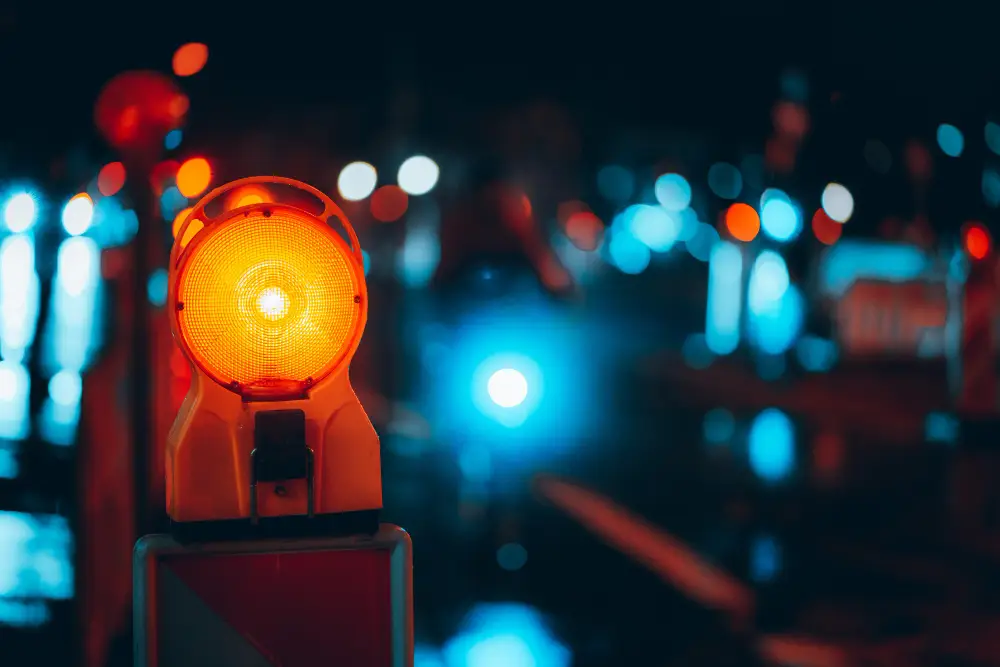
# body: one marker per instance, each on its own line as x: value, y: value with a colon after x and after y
x: 268, y: 303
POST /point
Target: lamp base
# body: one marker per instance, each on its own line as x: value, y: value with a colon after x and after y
x: 363, y: 522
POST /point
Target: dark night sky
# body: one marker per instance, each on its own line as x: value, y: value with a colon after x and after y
x: 713, y: 70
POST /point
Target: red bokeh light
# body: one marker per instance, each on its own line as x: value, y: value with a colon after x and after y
x: 977, y: 240
x: 111, y: 178
x: 826, y: 229
x: 135, y: 110
x: 389, y: 203
x: 584, y: 229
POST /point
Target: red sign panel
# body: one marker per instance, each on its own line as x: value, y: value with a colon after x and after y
x: 878, y: 317
x: 279, y: 603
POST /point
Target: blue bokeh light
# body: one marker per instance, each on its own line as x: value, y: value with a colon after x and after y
x: 776, y: 327
x: 626, y: 252
x: 722, y: 314
x: 171, y: 203
x: 725, y: 180
x: 173, y: 139
x: 20, y: 211
x: 702, y: 241
x: 719, y: 426
x: 653, y: 226
x: 991, y: 187
x: 615, y: 183
x: 992, y: 136
x: 419, y: 258
x: 673, y: 192
x: 780, y: 218
x: 523, y: 335
x: 769, y: 280
x: 765, y: 559
x: 941, y: 427
x: 848, y: 261
x: 512, y: 556
x: 505, y: 635
x: 950, y: 140
x: 771, y: 446
x: 816, y: 355
x: 156, y: 289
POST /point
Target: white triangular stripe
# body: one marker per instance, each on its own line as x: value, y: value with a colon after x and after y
x: 190, y: 634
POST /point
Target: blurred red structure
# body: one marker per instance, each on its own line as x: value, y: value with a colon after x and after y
x: 135, y: 110
x: 107, y: 506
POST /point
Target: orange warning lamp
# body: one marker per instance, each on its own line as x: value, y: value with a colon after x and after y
x: 268, y: 303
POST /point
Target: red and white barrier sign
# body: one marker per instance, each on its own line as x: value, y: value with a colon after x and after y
x: 271, y: 603
x: 887, y: 318
x: 977, y: 358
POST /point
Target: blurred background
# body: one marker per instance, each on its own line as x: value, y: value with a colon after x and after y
x: 683, y: 320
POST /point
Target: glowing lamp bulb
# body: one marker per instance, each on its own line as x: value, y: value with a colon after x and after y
x: 507, y: 388
x: 273, y: 303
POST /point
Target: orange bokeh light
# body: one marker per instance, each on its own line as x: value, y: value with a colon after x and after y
x: 192, y: 229
x: 977, y: 240
x: 742, y: 222
x: 190, y: 59
x: 194, y: 176
x: 389, y: 203
x: 111, y: 178
x: 826, y: 229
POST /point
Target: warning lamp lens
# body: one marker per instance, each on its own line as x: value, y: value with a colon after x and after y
x: 273, y: 303
x: 268, y: 300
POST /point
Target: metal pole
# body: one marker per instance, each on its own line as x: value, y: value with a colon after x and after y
x: 145, y: 207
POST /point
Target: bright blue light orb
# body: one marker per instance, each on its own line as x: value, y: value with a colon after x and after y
x: 507, y: 388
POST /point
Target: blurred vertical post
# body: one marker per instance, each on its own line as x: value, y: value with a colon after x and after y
x: 974, y: 375
x: 140, y: 375
x: 135, y: 111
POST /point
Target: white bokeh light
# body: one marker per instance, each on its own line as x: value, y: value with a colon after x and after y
x: 77, y: 215
x: 356, y: 181
x: 418, y: 175
x: 838, y: 202
x: 507, y: 388
x: 20, y: 212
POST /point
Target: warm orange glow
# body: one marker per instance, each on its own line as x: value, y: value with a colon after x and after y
x: 250, y: 199
x: 247, y: 196
x: 194, y: 176
x: 742, y: 222
x: 179, y: 220
x: 190, y: 59
x: 977, y: 240
x: 111, y: 178
x: 826, y: 229
x: 389, y: 203
x: 192, y: 229
x: 584, y: 229
x: 273, y: 303
x: 268, y: 299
